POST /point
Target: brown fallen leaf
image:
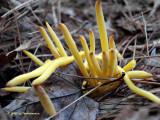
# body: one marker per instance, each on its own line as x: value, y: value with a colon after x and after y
x: 63, y: 90
x: 6, y: 58
x: 24, y: 45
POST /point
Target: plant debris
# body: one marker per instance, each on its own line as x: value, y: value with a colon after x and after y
x: 137, y: 32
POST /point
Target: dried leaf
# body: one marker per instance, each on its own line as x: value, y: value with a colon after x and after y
x: 6, y: 58
x: 60, y: 89
x: 23, y: 46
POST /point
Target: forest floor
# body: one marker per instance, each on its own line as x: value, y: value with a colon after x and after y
x: 135, y: 24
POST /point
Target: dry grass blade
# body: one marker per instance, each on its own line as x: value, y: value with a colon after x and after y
x: 19, y: 7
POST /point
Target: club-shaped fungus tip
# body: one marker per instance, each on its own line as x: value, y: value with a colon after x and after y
x: 40, y: 28
x: 10, y: 84
x: 90, y: 31
x: 61, y: 25
x: 91, y: 53
x: 98, y: 3
x: 16, y: 89
x: 45, y: 100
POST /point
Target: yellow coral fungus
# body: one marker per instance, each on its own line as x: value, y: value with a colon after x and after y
x: 23, y: 78
x: 33, y: 57
x: 101, y: 26
x: 129, y: 66
x: 49, y: 42
x: 45, y: 100
x: 56, y: 40
x: 95, y: 64
x: 137, y: 90
x: 111, y: 42
x: 63, y: 61
x: 139, y: 74
x: 73, y: 48
x: 86, y: 50
x: 112, y: 57
x: 119, y: 56
x: 16, y: 89
x: 112, y: 45
x: 104, y: 65
x: 92, y: 41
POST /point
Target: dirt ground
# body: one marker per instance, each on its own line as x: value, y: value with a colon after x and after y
x: 135, y: 24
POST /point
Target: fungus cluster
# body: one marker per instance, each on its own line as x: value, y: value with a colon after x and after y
x: 104, y: 65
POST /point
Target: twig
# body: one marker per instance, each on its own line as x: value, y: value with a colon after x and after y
x: 86, y: 77
x: 144, y: 56
x: 10, y: 21
x: 149, y: 39
x: 50, y: 8
x: 147, y: 57
x: 135, y: 44
x: 127, y: 46
x: 145, y: 30
x: 35, y: 55
x: 20, y: 42
x: 142, y: 46
x: 54, y: 17
x: 16, y: 2
x: 35, y: 16
x: 134, y: 51
x: 59, y: 11
x: 18, y: 7
x: 128, y: 7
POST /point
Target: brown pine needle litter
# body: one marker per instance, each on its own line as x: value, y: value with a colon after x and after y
x: 91, y: 68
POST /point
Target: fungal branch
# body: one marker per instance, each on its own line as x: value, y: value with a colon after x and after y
x: 101, y: 26
x: 45, y: 70
x: 104, y: 65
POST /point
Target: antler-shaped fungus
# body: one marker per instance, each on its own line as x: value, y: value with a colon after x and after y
x: 91, y: 68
